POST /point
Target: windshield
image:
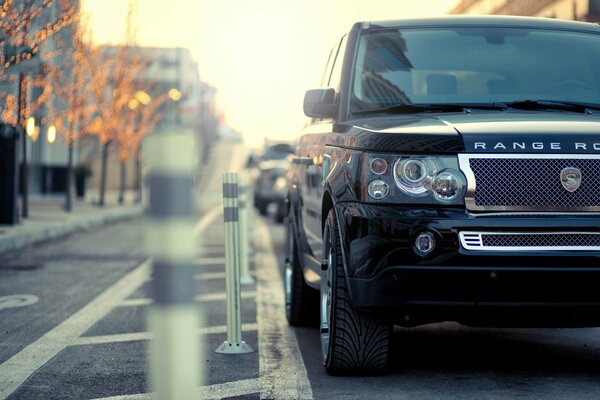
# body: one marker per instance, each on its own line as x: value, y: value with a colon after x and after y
x: 475, y: 65
x: 277, y: 152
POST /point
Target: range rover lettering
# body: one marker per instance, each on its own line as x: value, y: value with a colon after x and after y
x: 450, y: 172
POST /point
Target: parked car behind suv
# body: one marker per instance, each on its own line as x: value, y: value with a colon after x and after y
x: 270, y: 184
x: 451, y: 171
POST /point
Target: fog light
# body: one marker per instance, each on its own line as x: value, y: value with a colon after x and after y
x: 424, y: 243
x: 378, y: 189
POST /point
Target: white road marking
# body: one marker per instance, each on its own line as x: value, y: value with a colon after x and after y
x: 282, y: 371
x: 223, y: 296
x: 132, y: 337
x: 15, y: 371
x: 17, y: 300
x: 218, y: 391
x: 207, y: 219
x: 145, y: 301
x: 209, y: 260
x: 137, y: 302
x: 207, y: 276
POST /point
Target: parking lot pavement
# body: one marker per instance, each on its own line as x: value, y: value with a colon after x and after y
x: 99, y: 351
x: 48, y: 220
x: 95, y: 348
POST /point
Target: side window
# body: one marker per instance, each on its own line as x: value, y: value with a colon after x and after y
x: 336, y: 72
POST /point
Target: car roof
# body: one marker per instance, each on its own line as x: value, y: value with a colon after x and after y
x: 483, y: 20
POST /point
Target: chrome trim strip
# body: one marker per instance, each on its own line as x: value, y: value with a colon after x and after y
x: 465, y: 167
x: 470, y: 240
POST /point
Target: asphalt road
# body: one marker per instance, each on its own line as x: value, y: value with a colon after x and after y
x: 451, y: 361
x: 81, y: 332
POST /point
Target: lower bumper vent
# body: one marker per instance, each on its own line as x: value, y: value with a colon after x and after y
x: 527, y: 241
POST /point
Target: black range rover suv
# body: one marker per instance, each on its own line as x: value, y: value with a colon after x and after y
x: 450, y: 172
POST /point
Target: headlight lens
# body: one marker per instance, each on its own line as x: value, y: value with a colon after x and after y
x: 413, y: 175
x: 446, y: 185
x: 378, y: 189
x: 414, y: 179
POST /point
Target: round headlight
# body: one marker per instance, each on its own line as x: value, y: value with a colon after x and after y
x: 412, y: 170
x: 413, y: 175
x: 446, y: 185
x: 378, y: 166
x: 378, y: 189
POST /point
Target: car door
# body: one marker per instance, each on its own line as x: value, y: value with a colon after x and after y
x: 313, y: 142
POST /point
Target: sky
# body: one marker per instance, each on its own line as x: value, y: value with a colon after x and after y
x: 261, y: 55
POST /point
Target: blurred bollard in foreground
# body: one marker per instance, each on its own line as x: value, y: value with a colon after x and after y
x: 234, y: 343
x: 245, y: 195
x: 173, y: 318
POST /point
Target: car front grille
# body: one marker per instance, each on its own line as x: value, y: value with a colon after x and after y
x: 530, y: 182
x: 505, y: 241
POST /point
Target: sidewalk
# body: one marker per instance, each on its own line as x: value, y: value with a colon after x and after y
x: 47, y: 219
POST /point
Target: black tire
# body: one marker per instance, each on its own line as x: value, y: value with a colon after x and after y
x: 353, y: 342
x: 301, y: 301
x: 261, y: 206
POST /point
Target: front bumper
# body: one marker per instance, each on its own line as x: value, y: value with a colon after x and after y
x: 384, y: 270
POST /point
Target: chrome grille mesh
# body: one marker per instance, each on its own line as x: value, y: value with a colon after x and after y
x: 533, y: 183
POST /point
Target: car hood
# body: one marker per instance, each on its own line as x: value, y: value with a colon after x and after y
x: 495, y: 131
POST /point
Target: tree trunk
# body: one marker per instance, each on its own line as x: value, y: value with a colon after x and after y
x: 105, y: 147
x: 69, y: 188
x: 122, y: 183
x: 21, y: 118
x: 138, y: 174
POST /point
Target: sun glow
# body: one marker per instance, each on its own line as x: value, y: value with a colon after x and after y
x: 261, y: 55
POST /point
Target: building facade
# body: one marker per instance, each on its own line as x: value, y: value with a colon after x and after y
x: 579, y: 10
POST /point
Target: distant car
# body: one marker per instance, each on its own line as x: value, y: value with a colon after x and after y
x: 270, y: 185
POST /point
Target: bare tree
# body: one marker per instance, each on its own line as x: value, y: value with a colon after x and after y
x: 24, y: 27
x: 71, y: 109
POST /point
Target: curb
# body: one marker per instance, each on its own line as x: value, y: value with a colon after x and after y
x: 38, y: 234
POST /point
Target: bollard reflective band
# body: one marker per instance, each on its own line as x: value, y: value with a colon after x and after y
x: 231, y: 214
x: 173, y: 283
x: 164, y: 202
x: 230, y: 190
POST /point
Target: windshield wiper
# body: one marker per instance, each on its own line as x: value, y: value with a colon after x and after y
x: 432, y: 108
x: 552, y: 105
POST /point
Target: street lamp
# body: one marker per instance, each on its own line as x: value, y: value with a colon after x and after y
x: 30, y: 127
x: 174, y: 94
x: 51, y: 134
x: 133, y: 104
x: 143, y: 97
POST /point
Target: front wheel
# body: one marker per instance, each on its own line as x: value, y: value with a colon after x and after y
x: 352, y: 341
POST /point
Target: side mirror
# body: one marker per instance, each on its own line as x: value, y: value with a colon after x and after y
x: 320, y: 103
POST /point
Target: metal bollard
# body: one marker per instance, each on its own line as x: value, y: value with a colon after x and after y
x: 246, y: 278
x: 173, y: 318
x: 234, y: 343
